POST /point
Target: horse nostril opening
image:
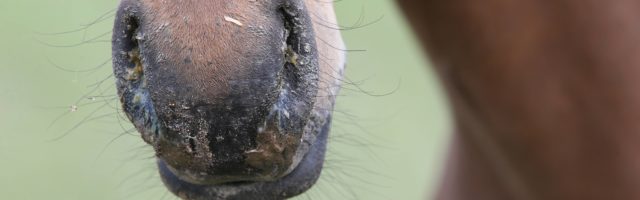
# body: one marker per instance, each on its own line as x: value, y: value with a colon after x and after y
x: 129, y: 70
x: 126, y: 36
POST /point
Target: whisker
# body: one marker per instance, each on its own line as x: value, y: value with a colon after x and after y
x: 356, y: 25
x: 88, y: 118
x: 95, y: 39
x: 83, y: 27
x: 336, y: 48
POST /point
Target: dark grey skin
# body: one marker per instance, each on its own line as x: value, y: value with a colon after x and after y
x: 298, y: 181
x: 231, y: 95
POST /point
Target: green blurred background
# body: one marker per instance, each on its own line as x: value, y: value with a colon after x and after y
x: 388, y: 141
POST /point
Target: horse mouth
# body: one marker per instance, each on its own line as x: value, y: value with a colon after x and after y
x: 256, y: 133
x: 294, y: 183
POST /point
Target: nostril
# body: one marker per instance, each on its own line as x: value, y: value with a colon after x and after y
x: 129, y: 69
x: 131, y: 47
x: 125, y: 32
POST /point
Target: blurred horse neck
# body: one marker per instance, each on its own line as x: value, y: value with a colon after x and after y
x: 545, y: 96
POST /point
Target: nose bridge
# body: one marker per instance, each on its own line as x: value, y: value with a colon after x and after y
x: 215, y: 47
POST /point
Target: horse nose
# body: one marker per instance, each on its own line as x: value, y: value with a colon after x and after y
x: 220, y: 98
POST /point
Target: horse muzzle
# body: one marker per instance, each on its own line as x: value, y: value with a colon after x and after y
x: 224, y: 91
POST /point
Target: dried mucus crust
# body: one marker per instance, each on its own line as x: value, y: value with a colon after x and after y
x: 232, y: 137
